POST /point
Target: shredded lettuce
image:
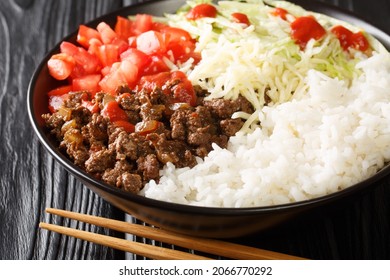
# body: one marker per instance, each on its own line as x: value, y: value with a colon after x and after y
x: 261, y: 62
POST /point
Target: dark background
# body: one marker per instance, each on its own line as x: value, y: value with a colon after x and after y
x: 30, y: 180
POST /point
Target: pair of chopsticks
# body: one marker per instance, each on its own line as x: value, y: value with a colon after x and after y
x: 210, y: 246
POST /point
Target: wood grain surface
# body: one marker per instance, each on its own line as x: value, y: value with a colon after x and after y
x: 30, y: 180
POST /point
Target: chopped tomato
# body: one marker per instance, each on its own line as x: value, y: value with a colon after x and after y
x: 280, y: 12
x: 156, y: 65
x: 179, y: 43
x: 91, y: 106
x: 106, y: 32
x: 86, y: 34
x: 176, y: 34
x: 143, y: 23
x: 241, y: 18
x: 151, y: 42
x: 202, y: 10
x: 86, y: 63
x: 60, y: 91
x: 61, y: 66
x: 129, y: 72
x: 112, y: 80
x: 305, y: 28
x: 89, y: 83
x: 121, y: 44
x: 348, y: 39
x: 124, y: 28
x: 107, y: 54
x: 127, y: 126
x: 114, y: 112
x: 109, y: 58
x: 120, y: 74
x: 136, y: 57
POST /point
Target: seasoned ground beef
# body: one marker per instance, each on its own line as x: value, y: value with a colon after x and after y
x: 156, y: 130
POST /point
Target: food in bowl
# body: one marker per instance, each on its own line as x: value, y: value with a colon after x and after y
x: 235, y: 104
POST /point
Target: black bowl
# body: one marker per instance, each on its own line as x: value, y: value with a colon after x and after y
x: 193, y: 220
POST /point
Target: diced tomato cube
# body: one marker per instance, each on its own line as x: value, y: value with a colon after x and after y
x: 94, y: 45
x: 143, y: 23
x: 61, y: 66
x: 121, y: 44
x: 88, y: 63
x: 176, y: 34
x: 111, y: 82
x: 129, y: 72
x: 105, y: 70
x: 121, y: 73
x: 156, y: 65
x: 89, y: 83
x: 124, y: 28
x: 108, y: 54
x: 86, y: 34
x: 151, y: 42
x: 137, y: 57
x: 106, y: 32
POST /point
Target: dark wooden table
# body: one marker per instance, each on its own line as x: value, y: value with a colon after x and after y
x: 31, y: 180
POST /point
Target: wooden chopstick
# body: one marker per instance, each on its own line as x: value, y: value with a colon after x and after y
x: 211, y: 246
x: 146, y: 250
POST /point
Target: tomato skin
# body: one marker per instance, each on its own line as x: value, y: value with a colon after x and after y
x: 241, y: 18
x: 305, y: 28
x: 61, y: 66
x: 114, y: 112
x: 348, y: 39
x: 201, y: 11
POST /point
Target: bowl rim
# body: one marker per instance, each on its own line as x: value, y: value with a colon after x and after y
x: 184, y: 208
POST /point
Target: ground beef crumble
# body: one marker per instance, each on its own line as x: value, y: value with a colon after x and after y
x: 128, y: 160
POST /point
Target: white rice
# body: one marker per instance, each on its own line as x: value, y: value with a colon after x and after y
x: 325, y: 141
